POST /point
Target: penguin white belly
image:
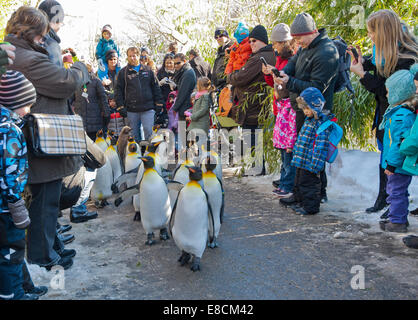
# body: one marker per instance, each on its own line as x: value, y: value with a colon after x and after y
x: 136, y: 200
x: 154, y: 202
x: 182, y: 176
x: 114, y: 160
x: 102, y: 185
x: 140, y: 173
x: 214, y: 191
x: 162, y: 153
x: 190, y: 229
x: 132, y: 161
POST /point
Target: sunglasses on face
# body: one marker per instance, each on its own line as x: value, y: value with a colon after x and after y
x: 177, y: 63
x: 143, y: 57
x: 252, y: 41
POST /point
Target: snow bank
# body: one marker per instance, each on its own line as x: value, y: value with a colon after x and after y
x: 353, y: 181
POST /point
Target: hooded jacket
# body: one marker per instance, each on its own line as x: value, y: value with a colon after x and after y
x: 104, y: 46
x: 315, y: 66
x: 218, y: 72
x: 250, y: 88
x: 54, y: 85
x: 398, y: 122
x: 240, y: 53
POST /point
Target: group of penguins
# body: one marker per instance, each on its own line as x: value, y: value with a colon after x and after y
x: 188, y: 202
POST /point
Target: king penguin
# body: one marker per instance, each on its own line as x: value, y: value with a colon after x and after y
x: 101, y: 189
x: 154, y: 202
x: 100, y: 141
x: 190, y: 219
x: 181, y: 174
x: 132, y: 155
x: 113, y: 157
x: 214, y: 189
x: 214, y: 155
x: 110, y: 134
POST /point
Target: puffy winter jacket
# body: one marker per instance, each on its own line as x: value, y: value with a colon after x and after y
x: 240, y: 53
x: 200, y: 114
x: 311, y: 150
x: 185, y: 80
x: 104, y: 46
x: 398, y: 123
x: 13, y: 159
x: 409, y: 148
x: 315, y: 66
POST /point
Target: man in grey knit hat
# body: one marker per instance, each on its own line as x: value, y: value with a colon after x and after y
x: 314, y: 65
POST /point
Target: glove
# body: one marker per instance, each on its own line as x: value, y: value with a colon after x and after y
x: 122, y: 111
x: 163, y: 81
x: 20, y: 214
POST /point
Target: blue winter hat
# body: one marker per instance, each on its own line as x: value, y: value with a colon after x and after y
x: 241, y: 32
x: 314, y: 98
x: 401, y: 85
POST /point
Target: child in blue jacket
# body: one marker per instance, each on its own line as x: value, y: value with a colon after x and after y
x: 16, y: 96
x: 309, y: 154
x: 105, y: 44
x: 397, y: 122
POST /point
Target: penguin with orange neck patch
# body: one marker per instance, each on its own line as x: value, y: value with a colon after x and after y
x: 190, y: 218
x: 154, y: 203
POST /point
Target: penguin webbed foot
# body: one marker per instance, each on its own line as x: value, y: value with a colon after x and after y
x: 137, y: 216
x: 164, y: 234
x: 196, y: 264
x: 114, y: 189
x: 213, y: 245
x: 150, y: 240
x: 184, y: 258
x: 118, y: 202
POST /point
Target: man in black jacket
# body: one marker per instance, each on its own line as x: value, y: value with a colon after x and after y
x: 137, y: 94
x: 314, y: 65
x: 200, y: 66
x: 218, y: 72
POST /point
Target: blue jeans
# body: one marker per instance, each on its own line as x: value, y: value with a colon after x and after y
x: 12, y: 250
x: 145, y: 118
x: 287, y: 172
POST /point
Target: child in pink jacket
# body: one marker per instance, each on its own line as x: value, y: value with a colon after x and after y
x: 284, y: 139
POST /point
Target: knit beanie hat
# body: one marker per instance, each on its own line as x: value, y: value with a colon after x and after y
x: 221, y: 31
x: 108, y: 28
x: 314, y: 98
x: 16, y: 91
x: 111, y: 54
x: 259, y: 33
x: 401, y: 85
x: 281, y: 32
x: 53, y: 9
x: 303, y: 25
x: 241, y: 32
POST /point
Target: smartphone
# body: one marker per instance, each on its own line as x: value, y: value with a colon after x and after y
x: 276, y: 72
x: 355, y: 53
x: 263, y: 61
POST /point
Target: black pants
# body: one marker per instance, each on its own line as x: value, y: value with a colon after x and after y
x: 307, y: 190
x: 43, y: 243
x: 300, y: 120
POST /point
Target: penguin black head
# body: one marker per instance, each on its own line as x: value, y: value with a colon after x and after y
x: 99, y: 133
x: 148, y: 162
x: 113, y: 140
x: 153, y: 147
x: 110, y: 133
x: 210, y: 164
x: 133, y: 147
x: 131, y: 139
x: 195, y: 173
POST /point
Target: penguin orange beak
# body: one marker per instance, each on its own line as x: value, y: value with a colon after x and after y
x: 144, y: 159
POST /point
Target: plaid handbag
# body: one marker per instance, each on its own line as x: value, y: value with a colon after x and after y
x: 52, y: 135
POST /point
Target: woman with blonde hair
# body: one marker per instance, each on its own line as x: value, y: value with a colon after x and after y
x: 394, y: 48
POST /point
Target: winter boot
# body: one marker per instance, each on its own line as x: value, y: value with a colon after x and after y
x: 382, y: 196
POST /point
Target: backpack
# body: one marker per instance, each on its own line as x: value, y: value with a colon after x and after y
x: 343, y: 74
x: 334, y: 138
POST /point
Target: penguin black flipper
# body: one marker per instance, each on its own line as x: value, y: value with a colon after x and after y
x: 211, y: 219
x: 173, y: 212
x: 223, y: 201
x: 175, y: 171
